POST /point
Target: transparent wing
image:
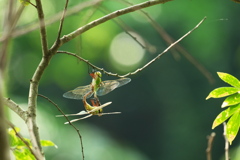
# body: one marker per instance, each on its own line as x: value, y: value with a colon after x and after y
x: 110, y: 85
x: 78, y: 92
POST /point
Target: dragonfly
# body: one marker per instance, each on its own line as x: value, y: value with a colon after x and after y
x: 97, y: 87
x: 94, y: 109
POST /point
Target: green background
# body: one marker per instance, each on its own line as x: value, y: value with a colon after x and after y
x: 164, y: 112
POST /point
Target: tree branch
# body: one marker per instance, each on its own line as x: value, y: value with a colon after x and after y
x: 108, y: 17
x: 34, y: 83
x: 61, y: 21
x: 142, y: 68
x: 178, y: 47
x: 42, y: 27
x: 16, y: 108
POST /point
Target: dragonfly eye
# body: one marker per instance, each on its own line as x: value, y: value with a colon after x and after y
x: 99, y: 74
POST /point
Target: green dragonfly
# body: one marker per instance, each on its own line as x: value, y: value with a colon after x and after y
x: 97, y: 87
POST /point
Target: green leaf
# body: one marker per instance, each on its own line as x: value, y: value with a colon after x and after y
x: 224, y: 115
x: 233, y: 127
x: 231, y: 100
x: 47, y: 143
x: 222, y: 92
x: 228, y: 78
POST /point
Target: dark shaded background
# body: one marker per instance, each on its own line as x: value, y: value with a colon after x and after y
x: 164, y: 112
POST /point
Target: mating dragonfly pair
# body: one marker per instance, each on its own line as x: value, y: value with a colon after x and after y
x: 96, y: 88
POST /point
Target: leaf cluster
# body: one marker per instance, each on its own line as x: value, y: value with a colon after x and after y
x: 232, y: 101
x: 20, y: 146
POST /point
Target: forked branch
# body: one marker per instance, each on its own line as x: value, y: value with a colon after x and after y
x: 103, y: 19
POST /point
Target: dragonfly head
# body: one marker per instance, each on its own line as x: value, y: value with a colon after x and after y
x: 96, y: 75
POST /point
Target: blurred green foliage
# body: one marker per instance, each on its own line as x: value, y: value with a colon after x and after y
x: 164, y: 112
x: 20, y: 149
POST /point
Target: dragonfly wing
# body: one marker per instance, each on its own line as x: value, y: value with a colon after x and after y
x: 110, y: 85
x: 106, y: 87
x: 78, y: 92
x: 123, y: 81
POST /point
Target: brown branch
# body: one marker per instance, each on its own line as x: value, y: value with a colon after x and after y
x: 16, y: 108
x: 61, y: 21
x: 210, y: 144
x: 183, y: 51
x: 177, y: 47
x: 142, y: 68
x: 42, y: 27
x: 108, y: 17
x: 77, y: 130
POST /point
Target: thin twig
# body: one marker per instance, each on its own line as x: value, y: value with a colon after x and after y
x: 22, y: 139
x: 77, y: 130
x: 142, y: 68
x: 16, y: 108
x: 209, y: 146
x: 226, y: 141
x: 178, y: 47
x: 62, y: 20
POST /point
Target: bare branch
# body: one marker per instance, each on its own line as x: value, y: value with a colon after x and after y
x: 226, y: 141
x: 42, y: 27
x: 165, y: 51
x: 34, y: 83
x: 61, y: 21
x: 77, y: 130
x: 185, y: 53
x: 142, y: 68
x: 108, y: 17
x: 178, y: 47
x: 209, y: 147
x: 16, y: 108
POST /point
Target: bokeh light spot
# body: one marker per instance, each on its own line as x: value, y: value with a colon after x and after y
x: 125, y: 51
